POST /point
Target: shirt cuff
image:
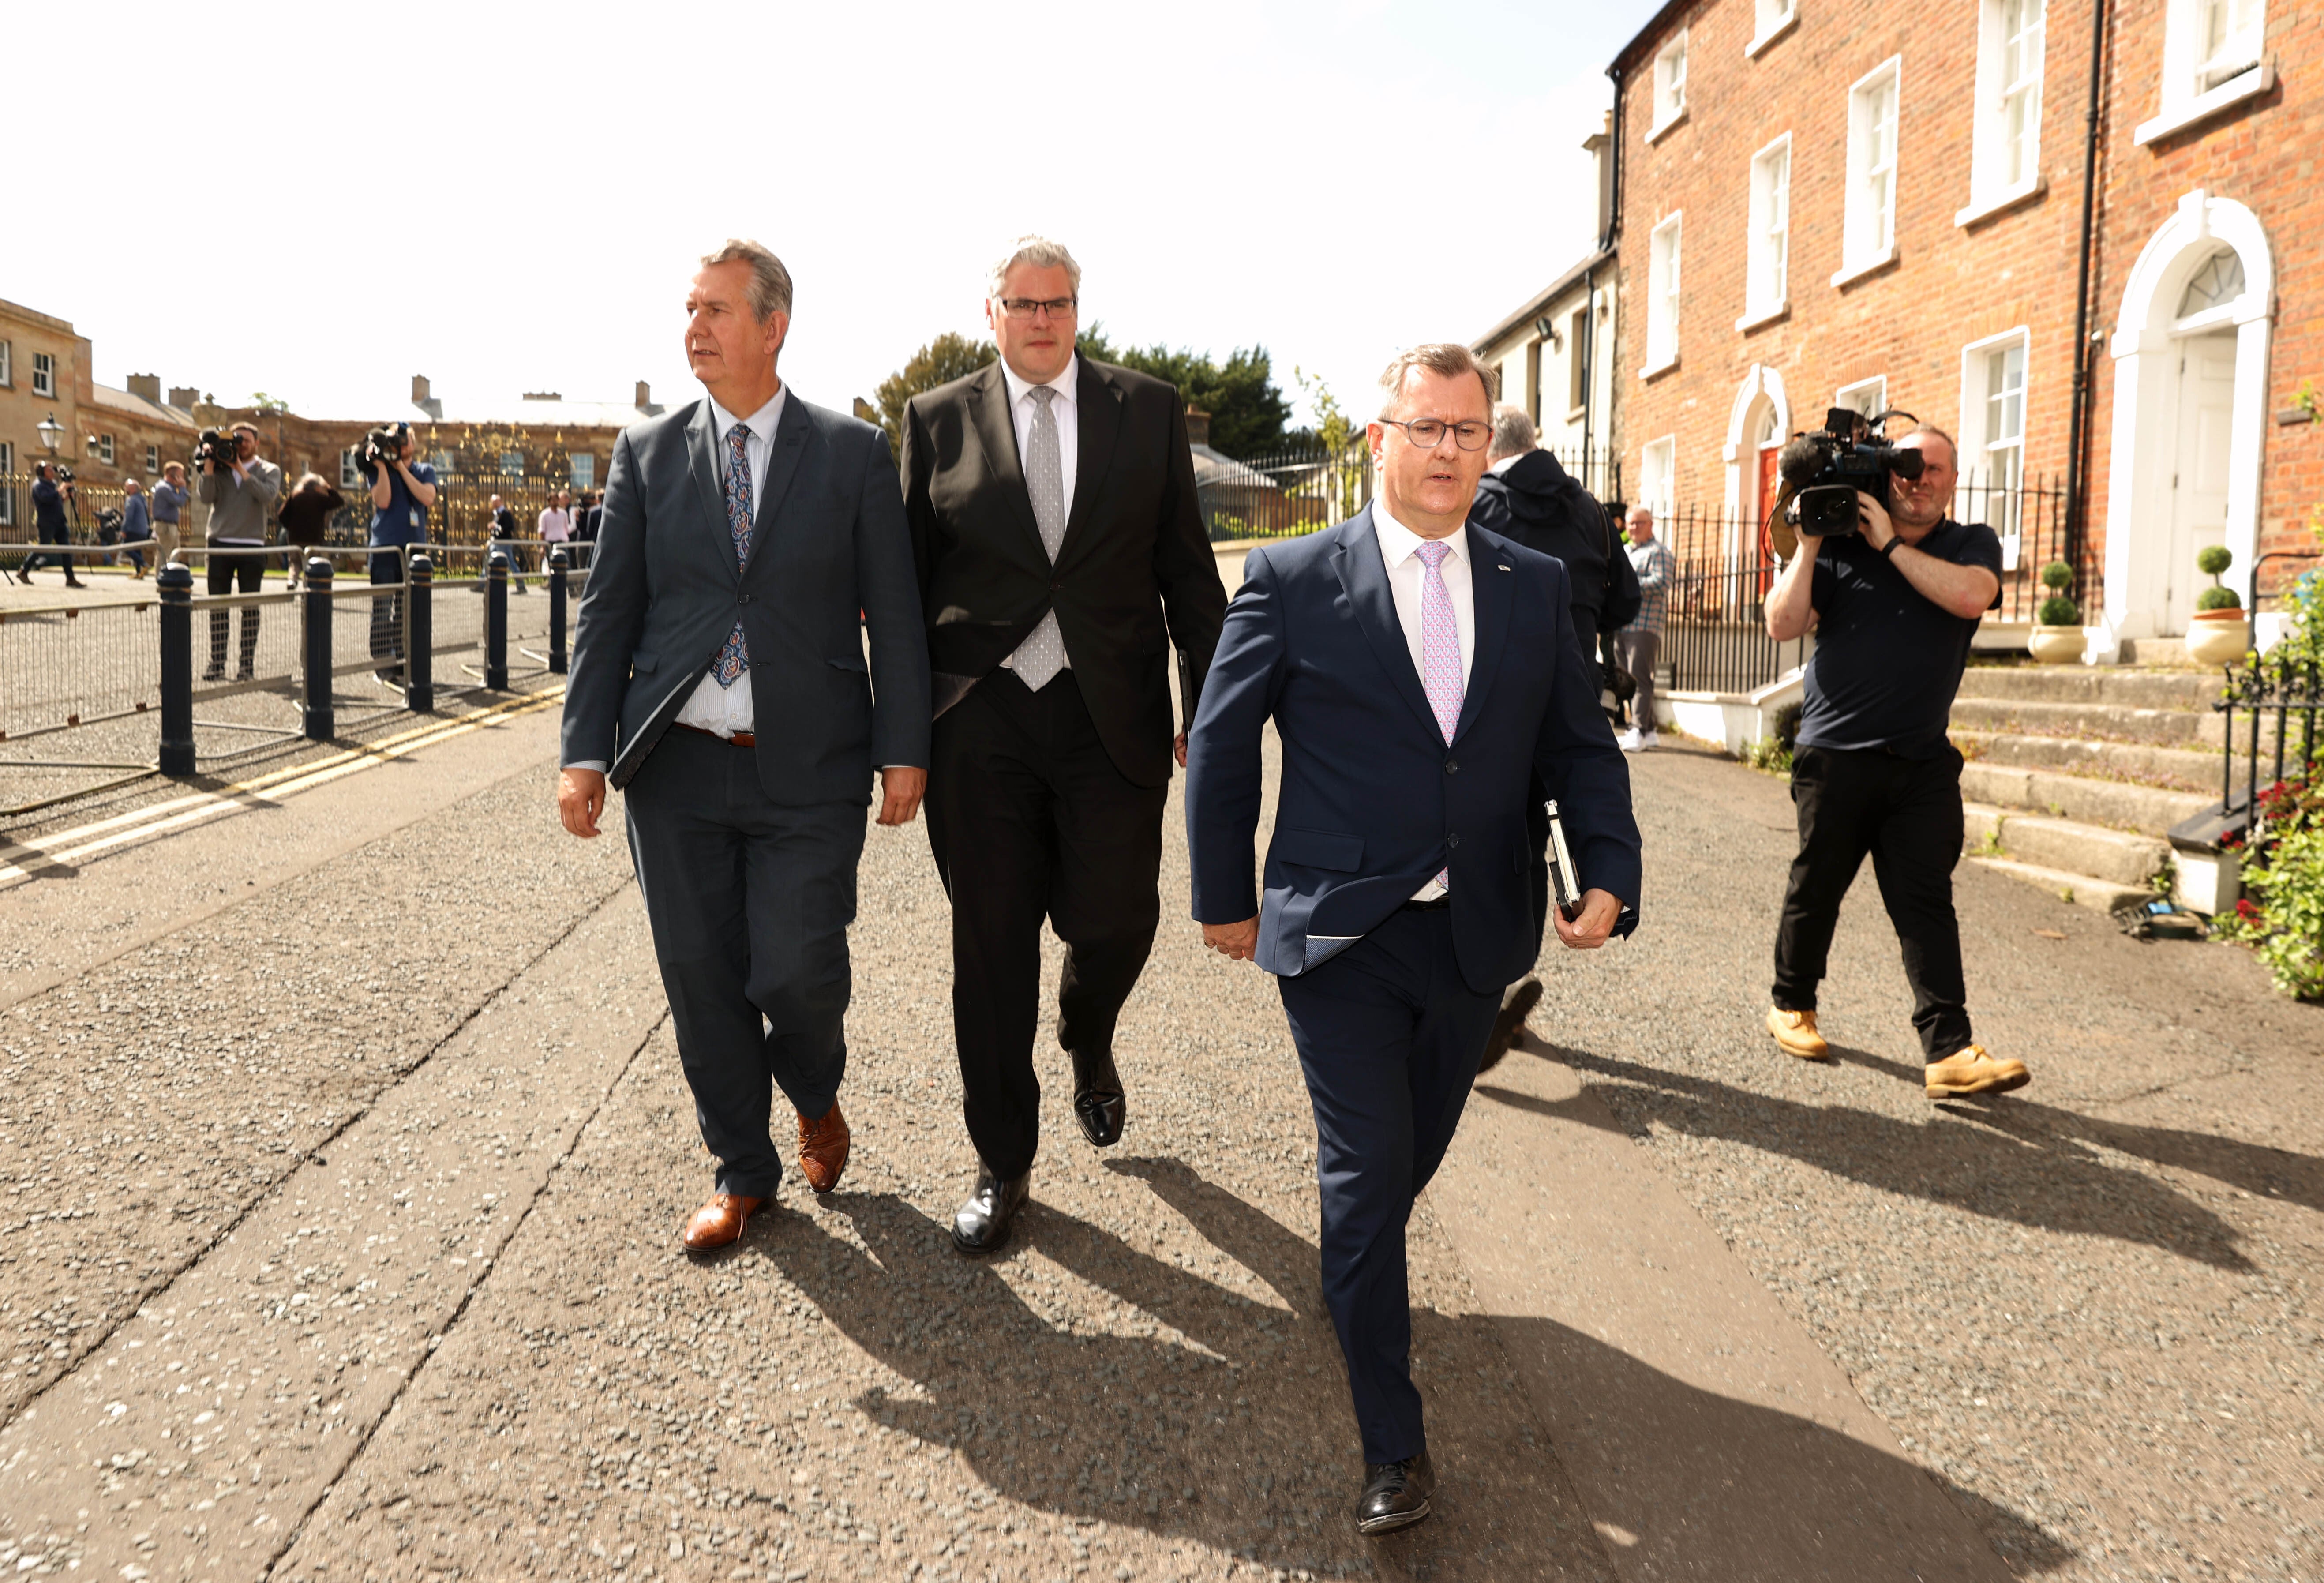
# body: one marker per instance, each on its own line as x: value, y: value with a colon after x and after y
x: 597, y: 765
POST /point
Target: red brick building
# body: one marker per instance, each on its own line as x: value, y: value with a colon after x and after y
x: 1831, y: 204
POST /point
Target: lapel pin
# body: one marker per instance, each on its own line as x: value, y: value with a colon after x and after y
x: 1503, y: 567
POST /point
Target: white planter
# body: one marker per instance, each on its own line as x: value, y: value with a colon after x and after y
x: 2208, y: 883
x: 2055, y: 645
x: 2217, y: 637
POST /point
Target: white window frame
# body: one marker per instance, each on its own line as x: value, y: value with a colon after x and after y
x: 1978, y: 443
x: 2199, y: 82
x: 583, y: 467
x: 1849, y: 395
x: 1666, y: 277
x: 105, y: 449
x: 1767, y: 250
x: 1669, y: 88
x: 7, y: 496
x: 44, y: 375
x: 7, y: 367
x: 1868, y: 225
x: 2001, y: 101
x: 1771, y: 20
x: 1658, y: 475
x: 350, y: 473
x: 152, y: 459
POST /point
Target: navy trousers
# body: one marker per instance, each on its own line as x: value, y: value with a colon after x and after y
x: 750, y: 902
x: 1389, y: 1035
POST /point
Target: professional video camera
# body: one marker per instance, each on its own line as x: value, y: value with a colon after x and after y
x: 383, y: 445
x: 64, y: 473
x: 217, y: 445
x: 1823, y: 471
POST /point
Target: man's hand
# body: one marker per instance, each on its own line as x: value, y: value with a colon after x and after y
x: 901, y: 788
x: 1238, y: 943
x: 580, y: 799
x: 1874, y: 516
x: 1587, y: 932
x: 1180, y: 746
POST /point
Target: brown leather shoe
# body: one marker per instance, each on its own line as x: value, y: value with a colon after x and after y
x: 719, y: 1222
x: 823, y: 1149
x: 1971, y: 1070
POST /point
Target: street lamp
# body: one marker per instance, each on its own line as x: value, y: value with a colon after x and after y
x: 50, y: 429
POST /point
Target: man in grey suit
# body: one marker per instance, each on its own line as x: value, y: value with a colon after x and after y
x: 719, y: 675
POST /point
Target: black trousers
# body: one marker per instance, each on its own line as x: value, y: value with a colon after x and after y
x: 225, y: 571
x: 1389, y: 1035
x: 1907, y: 814
x: 386, y: 609
x: 750, y: 902
x: 1028, y: 820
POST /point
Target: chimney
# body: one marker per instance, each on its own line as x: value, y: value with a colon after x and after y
x: 183, y: 397
x: 1198, y: 426
x: 645, y: 395
x: 1599, y: 146
x: 146, y: 387
x: 419, y: 390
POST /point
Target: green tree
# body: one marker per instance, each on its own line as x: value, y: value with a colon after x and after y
x: 260, y: 402
x: 1248, y: 412
x: 940, y: 361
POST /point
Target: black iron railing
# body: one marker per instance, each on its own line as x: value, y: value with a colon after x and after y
x: 2291, y: 691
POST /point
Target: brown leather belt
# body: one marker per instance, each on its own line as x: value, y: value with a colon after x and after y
x: 740, y: 738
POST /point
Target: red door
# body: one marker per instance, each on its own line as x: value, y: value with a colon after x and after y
x: 1770, y: 485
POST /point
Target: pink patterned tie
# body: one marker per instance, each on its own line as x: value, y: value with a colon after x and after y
x: 1440, y: 650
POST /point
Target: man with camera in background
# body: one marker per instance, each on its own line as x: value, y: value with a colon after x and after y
x: 240, y: 488
x: 52, y: 490
x: 1894, y: 600
x: 401, y: 491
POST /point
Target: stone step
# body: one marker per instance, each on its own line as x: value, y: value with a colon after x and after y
x: 2081, y: 889
x: 2113, y: 686
x: 2122, y: 805
x: 2174, y: 768
x: 2067, y: 846
x: 2203, y: 731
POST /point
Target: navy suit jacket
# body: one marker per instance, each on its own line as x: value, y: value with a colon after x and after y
x: 1372, y: 801
x: 830, y: 557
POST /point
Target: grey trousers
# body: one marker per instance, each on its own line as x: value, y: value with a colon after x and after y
x: 750, y: 903
x: 1637, y: 652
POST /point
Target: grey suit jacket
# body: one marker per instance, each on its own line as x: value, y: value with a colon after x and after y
x: 829, y: 542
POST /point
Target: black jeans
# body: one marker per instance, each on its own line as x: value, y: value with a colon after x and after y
x: 223, y: 571
x: 386, y: 609
x: 1906, y: 813
x: 1028, y: 818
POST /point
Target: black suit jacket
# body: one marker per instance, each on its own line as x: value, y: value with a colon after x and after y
x: 1538, y: 504
x: 1134, y: 576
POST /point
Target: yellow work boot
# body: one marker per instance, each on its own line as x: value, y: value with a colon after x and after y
x: 1795, y: 1032
x: 1970, y: 1070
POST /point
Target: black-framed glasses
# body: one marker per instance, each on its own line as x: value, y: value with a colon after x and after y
x: 1428, y: 433
x: 1025, y: 307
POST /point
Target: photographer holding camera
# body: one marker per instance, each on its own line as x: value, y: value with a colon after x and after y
x: 1894, y: 597
x: 401, y: 491
x: 52, y: 491
x: 240, y: 489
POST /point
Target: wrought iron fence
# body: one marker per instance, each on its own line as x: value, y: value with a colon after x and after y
x: 1286, y: 493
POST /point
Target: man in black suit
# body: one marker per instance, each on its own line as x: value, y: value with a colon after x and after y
x: 722, y: 675
x: 1061, y: 555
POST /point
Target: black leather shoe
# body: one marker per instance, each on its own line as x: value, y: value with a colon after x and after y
x: 1517, y: 1006
x: 981, y: 1225
x: 1395, y: 1495
x: 1098, y: 1102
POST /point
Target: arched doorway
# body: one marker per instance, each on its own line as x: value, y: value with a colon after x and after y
x: 2191, y: 352
x: 1756, y: 426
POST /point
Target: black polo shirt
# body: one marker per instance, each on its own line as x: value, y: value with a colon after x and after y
x: 1888, y: 659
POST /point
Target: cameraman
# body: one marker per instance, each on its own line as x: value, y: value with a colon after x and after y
x: 49, y: 502
x: 401, y: 491
x: 241, y: 496
x: 1893, y: 606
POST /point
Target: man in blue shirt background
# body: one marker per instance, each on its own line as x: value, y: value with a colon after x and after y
x: 401, y: 491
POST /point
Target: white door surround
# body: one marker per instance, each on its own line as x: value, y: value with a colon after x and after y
x: 1760, y: 399
x: 2150, y: 344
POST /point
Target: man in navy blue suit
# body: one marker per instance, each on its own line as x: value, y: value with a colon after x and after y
x: 1418, y: 671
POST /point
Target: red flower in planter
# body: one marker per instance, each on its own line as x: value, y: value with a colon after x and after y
x: 2246, y: 910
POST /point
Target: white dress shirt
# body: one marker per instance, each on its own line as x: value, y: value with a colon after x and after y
x: 1021, y: 408
x: 1399, y: 549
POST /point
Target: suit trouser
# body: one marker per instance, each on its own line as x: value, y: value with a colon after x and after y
x: 1389, y: 1035
x: 750, y: 902
x: 386, y: 609
x: 1029, y: 819
x: 1906, y: 813
x: 225, y: 571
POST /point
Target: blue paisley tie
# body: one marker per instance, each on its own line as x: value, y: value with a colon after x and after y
x: 735, y: 657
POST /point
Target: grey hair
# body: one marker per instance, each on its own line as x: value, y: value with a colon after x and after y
x: 1513, y: 433
x: 1640, y: 510
x: 1950, y: 443
x: 771, y: 282
x: 1449, y: 358
x: 1038, y: 251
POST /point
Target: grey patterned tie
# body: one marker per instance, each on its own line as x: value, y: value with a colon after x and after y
x: 1042, y: 654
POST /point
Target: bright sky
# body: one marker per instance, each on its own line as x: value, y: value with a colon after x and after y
x: 508, y: 198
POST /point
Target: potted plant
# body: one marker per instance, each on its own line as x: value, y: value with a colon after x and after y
x: 2219, y: 634
x: 2057, y: 635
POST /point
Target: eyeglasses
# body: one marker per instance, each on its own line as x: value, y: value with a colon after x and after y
x: 1025, y: 307
x: 1428, y: 433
